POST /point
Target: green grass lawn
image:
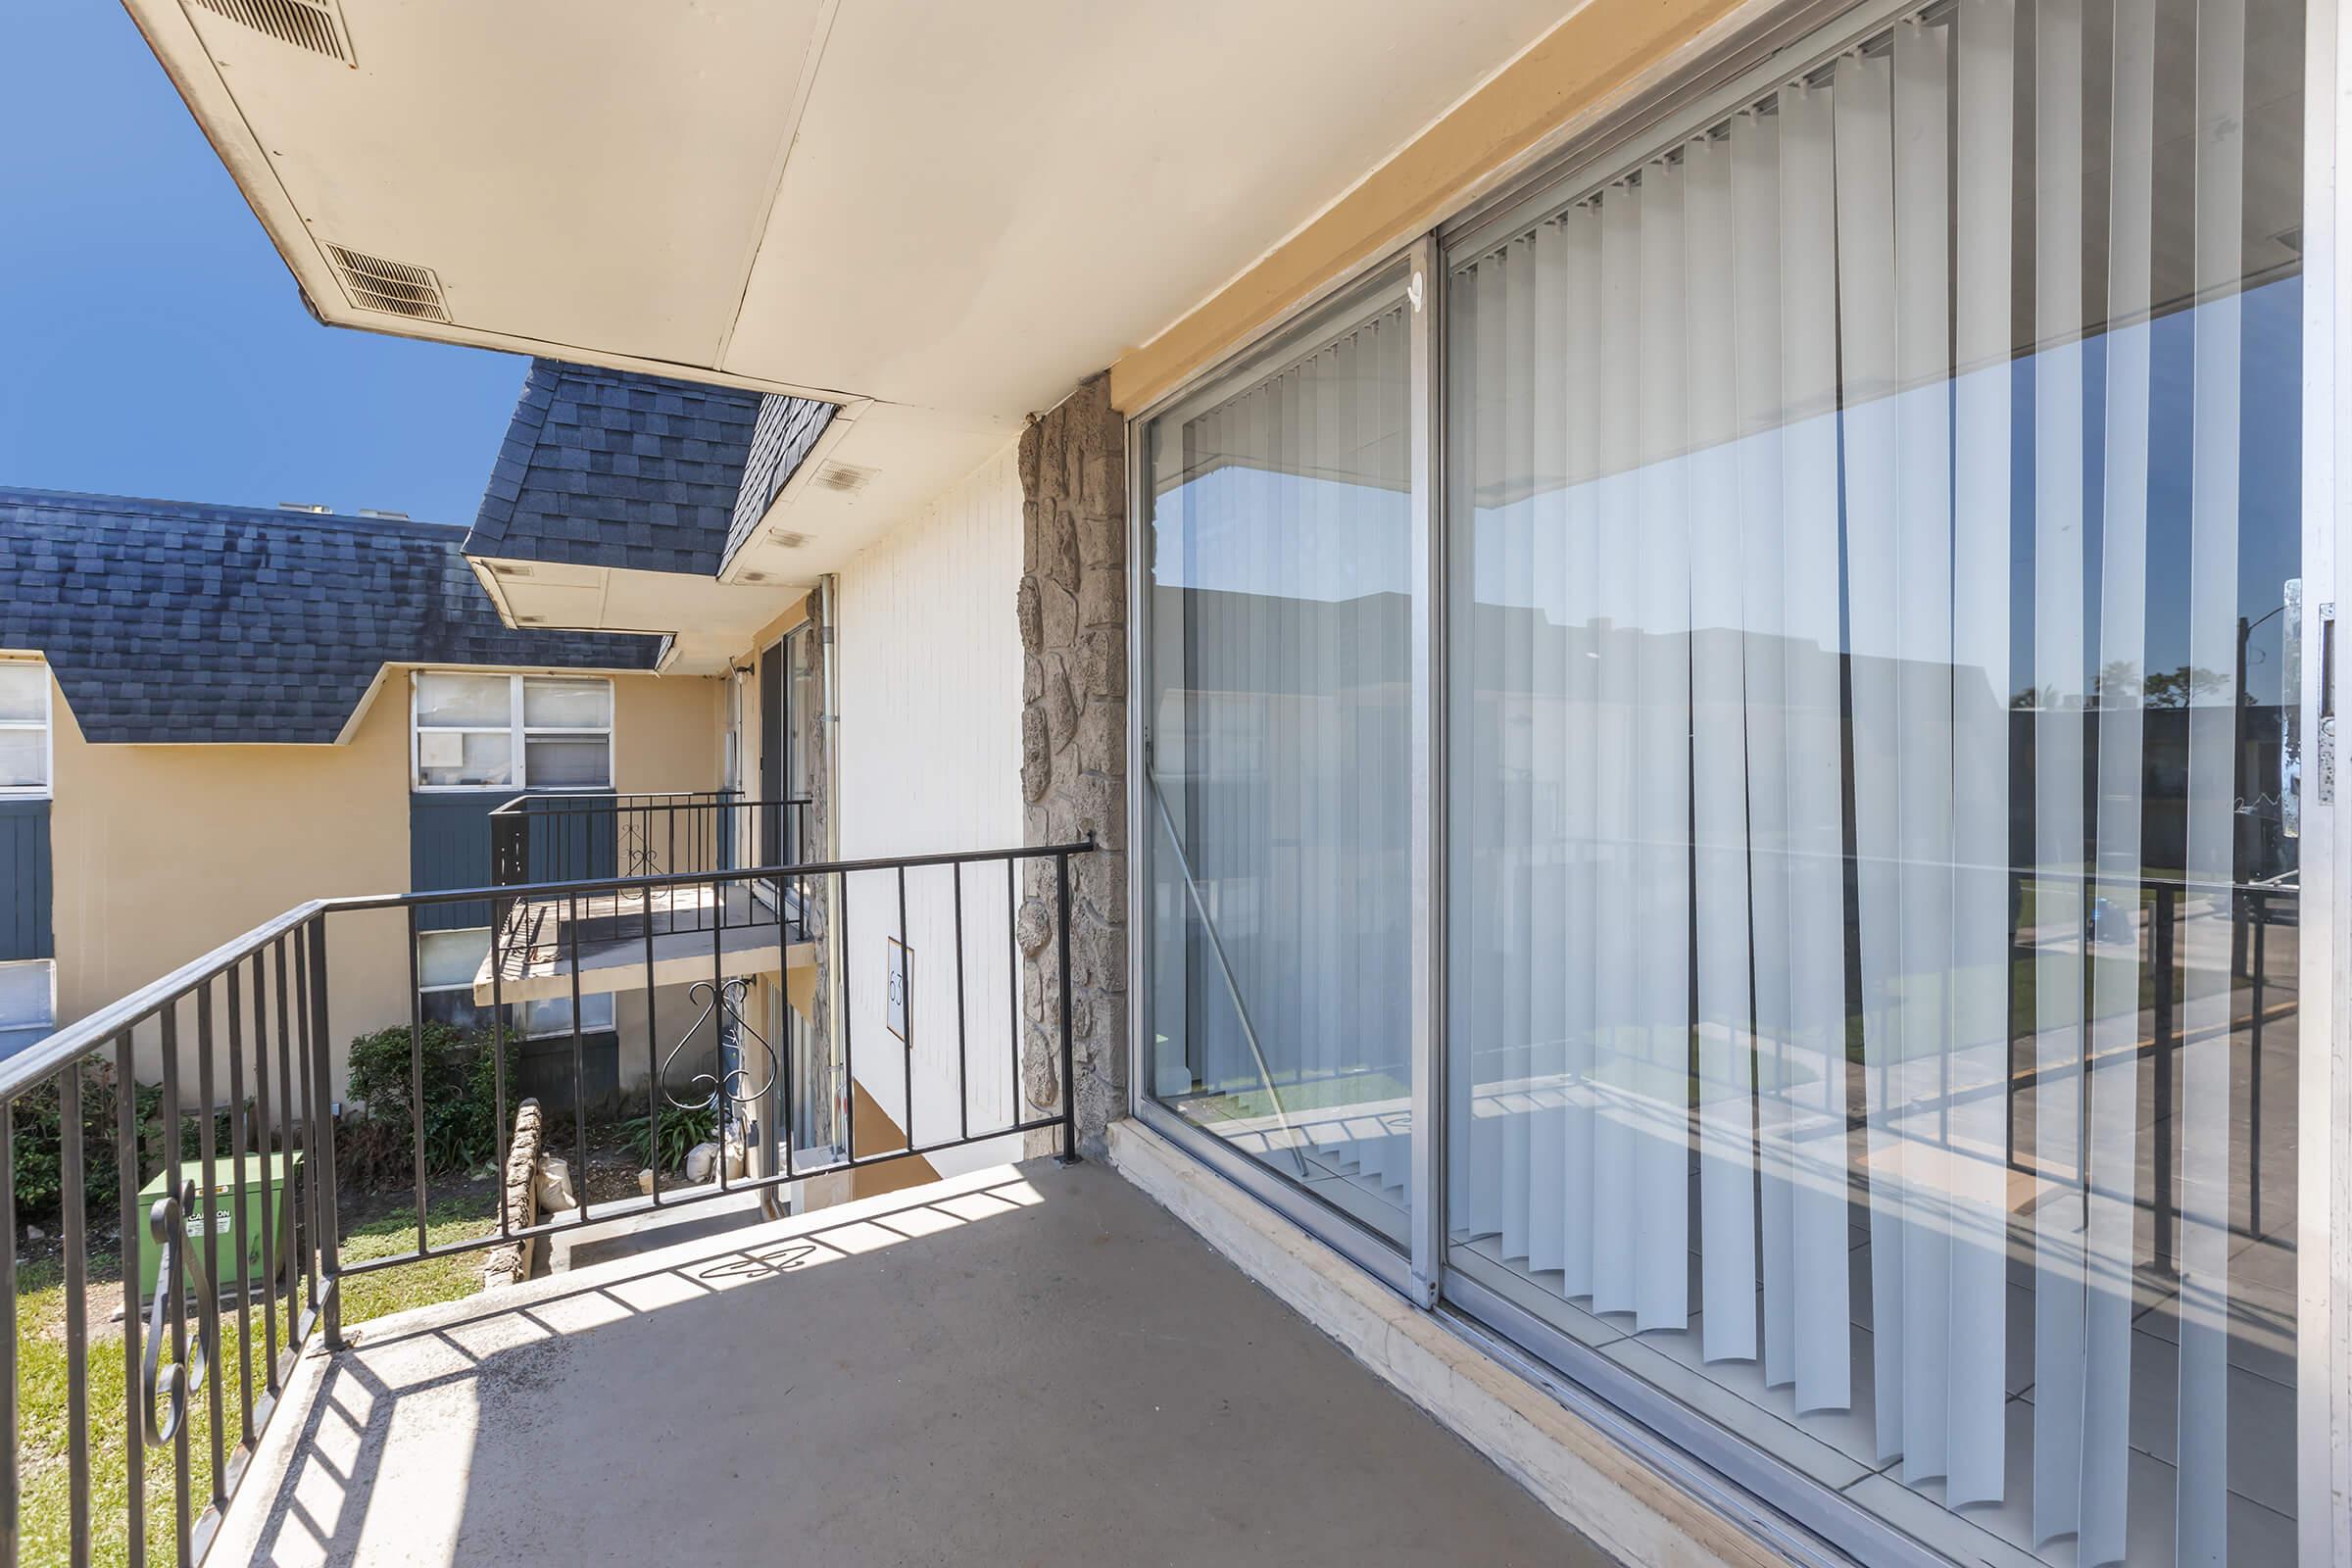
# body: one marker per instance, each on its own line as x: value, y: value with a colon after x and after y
x: 43, y: 1366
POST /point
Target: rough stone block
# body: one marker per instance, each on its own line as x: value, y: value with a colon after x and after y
x: 1102, y: 598
x: 1036, y: 761
x: 1103, y: 540
x: 1103, y: 738
x: 1029, y: 614
x: 1057, y: 616
x: 1103, y: 663
x: 1060, y: 707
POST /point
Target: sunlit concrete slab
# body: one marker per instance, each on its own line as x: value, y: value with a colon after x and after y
x: 1027, y: 1364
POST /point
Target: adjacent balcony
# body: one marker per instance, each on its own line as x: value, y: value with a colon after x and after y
x: 675, y: 914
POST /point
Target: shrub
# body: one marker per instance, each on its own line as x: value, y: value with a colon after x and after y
x: 375, y: 1148
x: 37, y: 1130
x: 681, y: 1129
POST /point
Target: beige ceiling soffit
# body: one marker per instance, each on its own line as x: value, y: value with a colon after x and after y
x: 484, y: 574
x: 820, y: 29
x: 1595, y: 57
x: 837, y: 430
x: 173, y: 36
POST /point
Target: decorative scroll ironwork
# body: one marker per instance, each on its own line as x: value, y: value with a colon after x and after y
x: 176, y: 1383
x: 730, y: 1082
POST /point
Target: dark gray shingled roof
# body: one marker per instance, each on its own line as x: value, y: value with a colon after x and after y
x: 604, y: 469
x: 176, y: 622
x: 786, y: 434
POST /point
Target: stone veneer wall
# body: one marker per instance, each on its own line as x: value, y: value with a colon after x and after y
x: 817, y: 834
x: 1073, y: 623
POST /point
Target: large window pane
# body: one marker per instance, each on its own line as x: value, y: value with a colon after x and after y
x: 466, y: 757
x: 553, y: 704
x: 1872, y: 968
x: 24, y: 758
x: 23, y: 692
x: 447, y: 700
x: 1276, y: 806
x: 567, y: 762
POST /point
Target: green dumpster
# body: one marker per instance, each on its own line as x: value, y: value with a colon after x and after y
x: 234, y: 1182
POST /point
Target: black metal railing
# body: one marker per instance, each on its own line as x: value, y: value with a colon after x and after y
x: 569, y: 837
x: 252, y: 1022
x: 253, y: 1014
x: 537, y: 840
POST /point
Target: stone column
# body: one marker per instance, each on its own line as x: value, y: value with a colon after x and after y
x: 1073, y: 620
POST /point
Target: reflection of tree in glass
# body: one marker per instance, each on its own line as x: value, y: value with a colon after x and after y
x: 2117, y: 686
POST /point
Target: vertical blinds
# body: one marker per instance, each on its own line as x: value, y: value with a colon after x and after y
x: 1752, y: 441
x: 1281, y: 764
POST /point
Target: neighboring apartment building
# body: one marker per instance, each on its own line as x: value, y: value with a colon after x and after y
x: 1697, y: 638
x: 209, y: 713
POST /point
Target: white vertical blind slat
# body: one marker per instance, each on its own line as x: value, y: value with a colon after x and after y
x: 1868, y: 369
x: 1621, y: 541
x: 1486, y: 1155
x: 1587, y: 910
x: 1987, y: 66
x: 2113, y: 1154
x: 1922, y: 537
x: 1548, y: 760
x: 1516, y: 522
x: 1816, y: 1089
x: 1662, y: 798
x: 2203, y: 1505
x: 2058, y: 762
x: 1754, y: 144
x: 1725, y: 1043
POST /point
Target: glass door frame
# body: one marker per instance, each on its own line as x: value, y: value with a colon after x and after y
x: 1789, y: 1511
x: 1412, y: 1273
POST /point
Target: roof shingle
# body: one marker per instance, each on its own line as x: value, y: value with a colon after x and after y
x: 606, y: 468
x: 178, y: 621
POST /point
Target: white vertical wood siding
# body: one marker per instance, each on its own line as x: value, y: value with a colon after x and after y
x: 929, y: 662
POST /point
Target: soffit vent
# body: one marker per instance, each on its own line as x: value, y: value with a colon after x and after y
x: 844, y: 476
x: 376, y: 284
x: 313, y: 24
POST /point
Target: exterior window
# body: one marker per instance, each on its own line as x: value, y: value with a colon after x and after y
x: 27, y: 1002
x: 1865, y: 908
x: 479, y: 731
x: 447, y: 962
x: 23, y: 727
x: 1871, y: 915
x: 1277, y: 798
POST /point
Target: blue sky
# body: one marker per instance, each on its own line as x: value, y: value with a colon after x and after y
x: 152, y: 343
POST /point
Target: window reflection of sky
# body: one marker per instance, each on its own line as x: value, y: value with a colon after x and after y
x: 1240, y: 529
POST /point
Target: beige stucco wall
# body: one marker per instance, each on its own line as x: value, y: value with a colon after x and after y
x: 164, y: 852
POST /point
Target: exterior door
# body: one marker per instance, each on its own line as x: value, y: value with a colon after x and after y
x: 774, y: 739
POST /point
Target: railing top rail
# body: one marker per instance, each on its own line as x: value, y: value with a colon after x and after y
x: 45, y: 1057
x: 604, y: 803
x: 609, y: 798
x: 668, y: 879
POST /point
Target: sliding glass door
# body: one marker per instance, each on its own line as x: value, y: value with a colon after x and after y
x: 1276, y: 788
x: 1872, y: 971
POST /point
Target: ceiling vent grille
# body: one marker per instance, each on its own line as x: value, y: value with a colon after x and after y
x: 313, y: 24
x: 376, y: 284
x: 844, y: 476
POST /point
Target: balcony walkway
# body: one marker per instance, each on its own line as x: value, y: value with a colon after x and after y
x: 1026, y: 1365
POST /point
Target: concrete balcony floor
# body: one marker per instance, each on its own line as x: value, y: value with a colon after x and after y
x: 1031, y: 1365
